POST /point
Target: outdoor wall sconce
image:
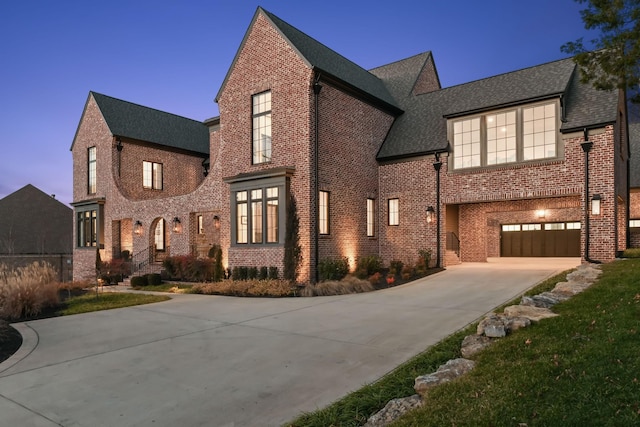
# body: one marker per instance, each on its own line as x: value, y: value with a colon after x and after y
x: 540, y: 213
x: 119, y: 144
x: 431, y: 214
x: 177, y: 226
x: 216, y: 222
x: 137, y: 228
x: 595, y: 204
x: 205, y: 167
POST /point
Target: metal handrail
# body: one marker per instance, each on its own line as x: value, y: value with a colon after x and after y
x: 453, y: 242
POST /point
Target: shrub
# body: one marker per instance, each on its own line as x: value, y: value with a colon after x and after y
x: 240, y: 273
x: 333, y: 269
x: 292, y: 247
x: 138, y: 281
x: 154, y: 279
x: 407, y: 272
x: 368, y: 265
x: 631, y: 253
x: 189, y: 268
x: 125, y: 255
x: 395, y: 267
x: 273, y: 273
x: 425, y: 257
x: 218, y: 268
x: 250, y: 288
x: 253, y: 273
x: 263, y: 274
x: 25, y: 291
x: 348, y: 285
x: 374, y: 279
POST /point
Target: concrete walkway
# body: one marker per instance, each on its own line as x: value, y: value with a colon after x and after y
x: 224, y: 361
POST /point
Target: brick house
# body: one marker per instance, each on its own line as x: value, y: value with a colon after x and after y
x: 382, y: 162
x: 36, y: 227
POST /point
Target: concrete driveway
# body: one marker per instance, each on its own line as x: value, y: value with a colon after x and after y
x: 223, y: 361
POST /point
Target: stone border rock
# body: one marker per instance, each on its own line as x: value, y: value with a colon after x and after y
x: 492, y: 327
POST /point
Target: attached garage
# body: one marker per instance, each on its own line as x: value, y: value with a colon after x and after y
x: 557, y: 239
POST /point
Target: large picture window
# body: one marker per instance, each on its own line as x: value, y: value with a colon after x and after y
x: 256, y: 212
x: 92, y: 178
x: 152, y: 175
x: 509, y: 136
x: 261, y: 111
x: 323, y: 212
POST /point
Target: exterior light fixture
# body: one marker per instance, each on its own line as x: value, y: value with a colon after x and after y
x: 177, y: 225
x: 137, y: 228
x: 205, y: 167
x: 540, y: 213
x: 431, y: 214
x: 216, y: 222
x: 595, y: 204
x: 119, y: 144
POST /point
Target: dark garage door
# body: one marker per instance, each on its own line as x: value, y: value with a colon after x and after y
x: 558, y: 239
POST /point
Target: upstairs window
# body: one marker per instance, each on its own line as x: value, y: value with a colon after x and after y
x: 261, y: 110
x: 152, y: 175
x: 515, y: 135
x: 91, y: 187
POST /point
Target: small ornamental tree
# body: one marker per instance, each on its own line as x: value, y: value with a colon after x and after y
x: 292, y: 248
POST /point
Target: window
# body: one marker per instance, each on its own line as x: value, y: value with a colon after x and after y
x: 531, y: 227
x: 272, y: 215
x: 92, y: 170
x: 573, y: 226
x: 261, y: 110
x: 394, y: 214
x: 323, y: 212
x: 152, y: 175
x: 241, y: 217
x: 511, y: 227
x: 509, y: 136
x: 200, y: 224
x: 371, y: 217
x: 554, y: 226
x: 87, y: 232
x: 539, y: 131
x: 258, y: 211
x: 634, y: 223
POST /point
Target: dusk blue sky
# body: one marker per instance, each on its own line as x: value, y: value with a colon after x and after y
x: 173, y: 56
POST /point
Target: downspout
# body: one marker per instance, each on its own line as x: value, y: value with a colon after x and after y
x: 316, y: 175
x: 437, y: 165
x: 586, y: 147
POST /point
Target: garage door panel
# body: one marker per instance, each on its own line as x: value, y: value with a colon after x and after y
x: 540, y: 243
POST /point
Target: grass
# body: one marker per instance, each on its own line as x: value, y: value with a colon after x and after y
x: 581, y: 368
x: 107, y: 301
x: 166, y: 287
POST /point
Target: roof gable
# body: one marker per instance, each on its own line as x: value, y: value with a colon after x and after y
x: 322, y: 59
x: 35, y: 223
x: 134, y: 121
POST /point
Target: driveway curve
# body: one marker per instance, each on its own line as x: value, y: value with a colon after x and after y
x: 223, y: 361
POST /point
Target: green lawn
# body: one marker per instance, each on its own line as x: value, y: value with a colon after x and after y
x: 582, y: 368
x: 106, y: 301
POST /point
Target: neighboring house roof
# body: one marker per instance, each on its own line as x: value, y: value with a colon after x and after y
x: 135, y: 121
x: 326, y: 61
x: 35, y: 223
x: 634, y: 155
x: 422, y: 128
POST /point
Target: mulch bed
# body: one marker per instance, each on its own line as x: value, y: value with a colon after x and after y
x: 10, y: 340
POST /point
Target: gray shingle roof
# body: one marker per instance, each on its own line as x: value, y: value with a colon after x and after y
x: 147, y: 124
x: 35, y: 223
x: 422, y: 128
x: 634, y: 159
x: 323, y: 59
